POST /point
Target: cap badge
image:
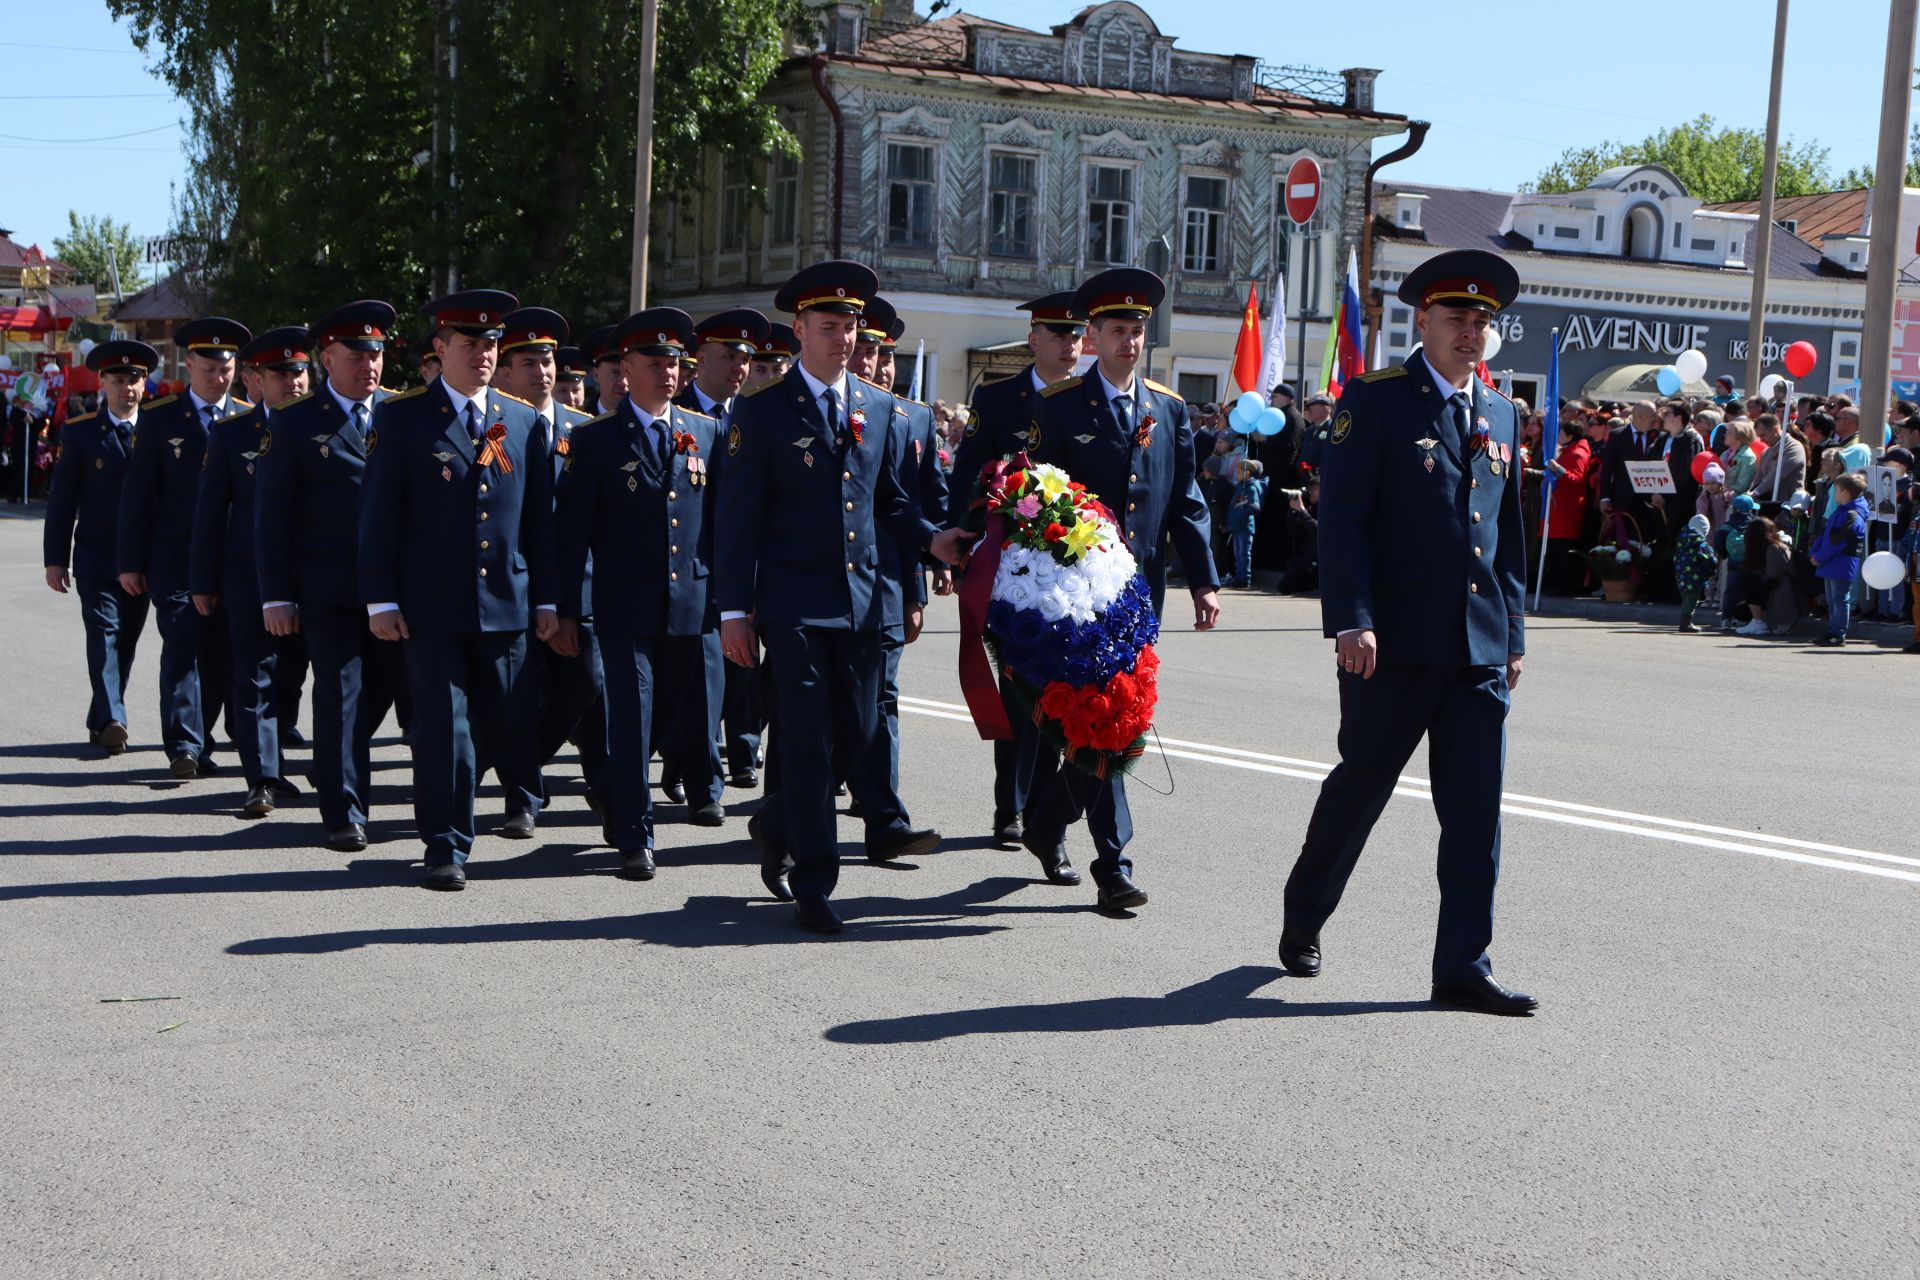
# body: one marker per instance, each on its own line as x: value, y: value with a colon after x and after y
x: 663, y: 337
x: 1473, y: 288
x: 483, y: 317
x: 841, y: 292
x: 1129, y: 298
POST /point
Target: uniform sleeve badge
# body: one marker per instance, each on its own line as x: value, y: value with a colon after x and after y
x: 266, y: 443
x: 1033, y: 435
x: 1342, y: 426
x: 733, y: 439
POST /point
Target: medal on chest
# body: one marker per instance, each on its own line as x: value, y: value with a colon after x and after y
x: 1426, y: 446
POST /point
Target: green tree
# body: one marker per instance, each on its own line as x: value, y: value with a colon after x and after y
x: 1854, y: 179
x: 86, y: 248
x: 380, y: 148
x: 1717, y: 164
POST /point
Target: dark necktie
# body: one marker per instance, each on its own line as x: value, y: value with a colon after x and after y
x: 1123, y: 411
x: 473, y: 422
x: 213, y: 415
x: 1460, y: 424
x: 360, y: 425
x: 833, y: 412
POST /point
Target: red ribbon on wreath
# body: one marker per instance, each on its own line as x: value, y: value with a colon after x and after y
x: 977, y: 684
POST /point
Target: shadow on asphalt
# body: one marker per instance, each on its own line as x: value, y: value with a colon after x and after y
x: 1225, y: 997
x: 704, y: 922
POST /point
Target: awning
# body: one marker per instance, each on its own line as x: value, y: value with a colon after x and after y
x: 31, y: 320
x: 1634, y: 383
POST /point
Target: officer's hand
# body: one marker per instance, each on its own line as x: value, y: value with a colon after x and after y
x: 943, y: 582
x: 950, y: 545
x: 1206, y: 609
x: 739, y: 643
x: 1513, y: 670
x: 281, y: 619
x: 134, y: 584
x: 388, y: 626
x: 1357, y: 652
x: 566, y: 638
x: 58, y: 578
x: 205, y: 605
x: 916, y: 618
x: 545, y: 624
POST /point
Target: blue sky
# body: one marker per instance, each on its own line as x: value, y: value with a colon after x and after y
x: 1505, y: 95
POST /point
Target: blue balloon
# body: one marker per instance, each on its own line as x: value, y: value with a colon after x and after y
x: 1668, y: 380
x: 1251, y: 401
x: 1271, y: 422
x: 1242, y: 417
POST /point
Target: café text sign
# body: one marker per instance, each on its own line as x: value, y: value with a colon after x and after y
x: 1624, y: 333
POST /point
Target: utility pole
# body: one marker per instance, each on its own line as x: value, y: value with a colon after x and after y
x: 643, y: 154
x: 1883, y: 253
x: 1763, y: 236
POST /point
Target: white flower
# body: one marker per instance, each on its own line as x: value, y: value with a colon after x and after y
x: 1623, y: 556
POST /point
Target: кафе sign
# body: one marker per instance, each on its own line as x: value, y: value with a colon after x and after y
x: 1592, y: 343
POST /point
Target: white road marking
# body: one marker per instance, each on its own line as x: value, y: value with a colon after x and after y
x: 1649, y: 826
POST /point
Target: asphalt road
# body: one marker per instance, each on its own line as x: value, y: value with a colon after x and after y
x: 1711, y: 881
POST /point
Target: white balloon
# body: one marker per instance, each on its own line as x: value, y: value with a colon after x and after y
x: 6, y: 362
x: 1770, y: 386
x: 1883, y: 571
x: 1493, y: 344
x: 1692, y: 365
x: 86, y: 347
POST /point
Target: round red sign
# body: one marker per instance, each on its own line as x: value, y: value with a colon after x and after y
x: 1303, y: 190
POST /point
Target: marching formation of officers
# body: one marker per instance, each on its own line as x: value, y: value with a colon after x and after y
x: 741, y: 542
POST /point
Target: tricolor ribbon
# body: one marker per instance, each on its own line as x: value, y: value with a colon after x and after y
x: 495, y: 451
x: 977, y: 684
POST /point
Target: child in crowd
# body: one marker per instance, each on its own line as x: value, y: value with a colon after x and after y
x: 1729, y: 544
x: 1838, y: 551
x: 1243, y: 513
x: 1693, y: 568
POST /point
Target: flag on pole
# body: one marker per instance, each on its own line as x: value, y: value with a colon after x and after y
x: 919, y: 363
x: 1273, y: 366
x: 1246, y: 348
x: 1346, y: 355
x: 1550, y: 432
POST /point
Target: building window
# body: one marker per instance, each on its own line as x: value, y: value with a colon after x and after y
x: 783, y: 201
x: 1676, y: 235
x: 1846, y: 358
x: 1199, y: 388
x: 1012, y: 185
x: 1109, y: 215
x: 1566, y: 233
x: 1600, y: 227
x: 1701, y: 245
x: 1204, y: 226
x: 909, y: 195
x: 736, y: 200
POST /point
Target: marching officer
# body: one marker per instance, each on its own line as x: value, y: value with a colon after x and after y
x: 636, y: 504
x: 309, y: 478
x: 82, y: 526
x: 456, y: 559
x: 1127, y: 439
x: 1422, y: 561
x: 812, y: 484
x: 223, y: 573
x: 997, y: 424
x: 570, y: 379
x: 566, y: 705
x: 610, y: 385
x: 775, y: 353
x: 425, y: 360
x: 156, y: 533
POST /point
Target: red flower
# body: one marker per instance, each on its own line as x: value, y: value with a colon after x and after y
x: 683, y: 442
x: 1055, y: 532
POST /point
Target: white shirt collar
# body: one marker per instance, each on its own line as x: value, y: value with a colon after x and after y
x: 201, y: 406
x: 644, y: 418
x: 346, y: 405
x: 1440, y: 381
x: 1112, y: 390
x: 461, y: 402
x: 819, y: 388
x: 707, y: 403
x: 1039, y: 383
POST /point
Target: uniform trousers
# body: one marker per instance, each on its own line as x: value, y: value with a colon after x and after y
x: 113, y: 620
x: 875, y: 780
x: 1013, y: 760
x: 256, y: 694
x: 1061, y: 795
x: 564, y: 707
x: 465, y: 688
x: 356, y: 677
x: 826, y: 683
x: 195, y: 669
x: 1461, y: 710
x: 642, y: 674
x: 742, y: 710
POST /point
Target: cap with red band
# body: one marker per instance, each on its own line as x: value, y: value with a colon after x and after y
x: 836, y: 285
x: 1130, y: 293
x: 360, y: 326
x: 532, y: 329
x: 1462, y: 278
x: 478, y: 313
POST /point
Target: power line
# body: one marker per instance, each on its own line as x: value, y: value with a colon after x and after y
x: 110, y: 137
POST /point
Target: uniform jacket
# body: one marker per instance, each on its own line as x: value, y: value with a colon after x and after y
x: 306, y: 517
x: 83, y: 498
x: 647, y: 528
x: 163, y: 489
x: 690, y: 399
x: 803, y: 507
x: 997, y: 423
x: 568, y: 420
x: 223, y: 561
x: 460, y: 547
x: 1149, y: 488
x: 1431, y: 559
x: 926, y: 485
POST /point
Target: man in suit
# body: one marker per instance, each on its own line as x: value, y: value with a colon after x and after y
x: 1126, y: 438
x: 566, y: 705
x: 811, y: 485
x: 1639, y: 441
x: 636, y: 501
x: 1422, y: 560
x: 996, y: 428
x: 82, y: 526
x: 309, y: 478
x: 156, y: 533
x: 223, y: 574
x: 456, y: 560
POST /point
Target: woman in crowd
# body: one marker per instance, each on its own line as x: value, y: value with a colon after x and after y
x: 1838, y: 551
x: 1567, y: 535
x: 1737, y: 455
x: 1762, y: 585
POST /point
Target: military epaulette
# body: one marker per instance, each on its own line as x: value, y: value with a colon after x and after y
x: 609, y: 414
x: 504, y: 396
x: 681, y: 410
x: 876, y: 386
x: 246, y: 406
x: 1065, y: 384
x: 301, y: 399
x: 388, y: 391
x: 235, y: 417
x: 410, y: 391
x: 88, y: 416
x: 155, y: 404
x: 1381, y: 375
x: 1163, y: 390
x: 758, y: 387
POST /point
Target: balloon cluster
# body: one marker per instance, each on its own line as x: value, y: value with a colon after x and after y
x: 1688, y: 366
x: 1251, y: 415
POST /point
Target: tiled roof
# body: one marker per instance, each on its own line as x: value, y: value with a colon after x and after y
x: 162, y: 300
x: 1825, y: 214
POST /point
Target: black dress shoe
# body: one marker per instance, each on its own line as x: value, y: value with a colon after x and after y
x: 839, y: 790
x: 637, y: 865
x: 1053, y: 860
x: 1118, y: 893
x: 93, y: 737
x: 763, y: 839
x: 185, y: 765
x: 1483, y: 995
x: 775, y: 878
x: 351, y: 838
x: 292, y: 737
x: 447, y: 879
x: 745, y: 779
x: 283, y: 789
x: 206, y: 767
x: 855, y: 810
x: 815, y: 916
x: 674, y: 792
x: 709, y: 814
x: 1300, y: 954
x: 1007, y: 831
x: 259, y: 801
x: 113, y: 738
x: 518, y: 826
x: 903, y: 844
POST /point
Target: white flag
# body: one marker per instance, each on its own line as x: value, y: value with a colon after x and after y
x: 919, y: 362
x: 1273, y: 365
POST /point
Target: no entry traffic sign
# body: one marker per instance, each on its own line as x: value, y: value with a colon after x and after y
x: 1303, y: 190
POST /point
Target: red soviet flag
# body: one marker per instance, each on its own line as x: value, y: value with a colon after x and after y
x: 1247, y: 349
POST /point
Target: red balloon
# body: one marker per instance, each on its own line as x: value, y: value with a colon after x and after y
x: 1701, y: 461
x: 1759, y: 447
x: 1800, y: 359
